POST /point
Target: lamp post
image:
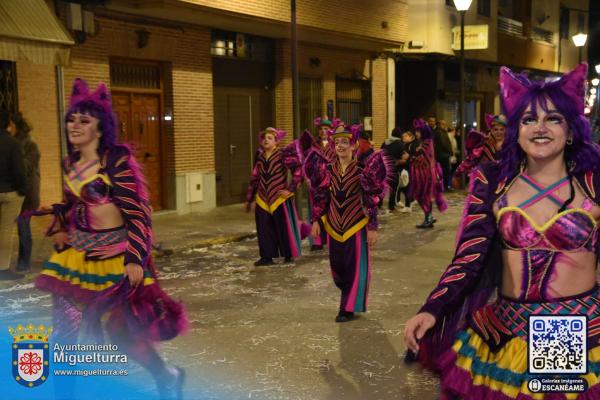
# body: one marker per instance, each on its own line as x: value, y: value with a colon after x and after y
x: 579, y: 41
x: 462, y: 6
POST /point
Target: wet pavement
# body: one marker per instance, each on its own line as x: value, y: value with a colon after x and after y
x: 269, y: 332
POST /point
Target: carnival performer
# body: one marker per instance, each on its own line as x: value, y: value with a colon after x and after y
x: 320, y: 143
x: 102, y: 233
x: 346, y: 197
x: 324, y: 125
x: 529, y: 235
x: 275, y: 212
x: 482, y: 147
x: 425, y: 176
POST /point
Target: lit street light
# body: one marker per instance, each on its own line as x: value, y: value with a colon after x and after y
x: 595, y: 82
x: 579, y: 41
x: 462, y: 6
x: 597, y: 68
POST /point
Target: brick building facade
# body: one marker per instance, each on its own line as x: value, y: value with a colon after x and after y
x: 171, y: 88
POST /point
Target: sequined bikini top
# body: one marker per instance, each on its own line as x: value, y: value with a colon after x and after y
x: 92, y: 191
x: 573, y: 229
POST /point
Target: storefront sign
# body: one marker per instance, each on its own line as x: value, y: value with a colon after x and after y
x: 476, y: 37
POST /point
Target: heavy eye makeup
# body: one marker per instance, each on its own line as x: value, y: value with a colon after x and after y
x: 551, y: 118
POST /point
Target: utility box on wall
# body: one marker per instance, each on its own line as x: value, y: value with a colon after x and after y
x: 195, y: 192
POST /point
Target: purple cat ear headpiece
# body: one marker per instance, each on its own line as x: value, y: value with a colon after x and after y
x: 513, y: 87
x: 81, y: 94
x: 278, y: 133
x: 491, y: 119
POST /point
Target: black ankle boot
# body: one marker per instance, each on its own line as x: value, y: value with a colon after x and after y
x: 344, y: 316
x: 427, y: 223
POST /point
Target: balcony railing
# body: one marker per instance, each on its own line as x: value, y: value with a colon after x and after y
x: 510, y: 26
x: 542, y: 35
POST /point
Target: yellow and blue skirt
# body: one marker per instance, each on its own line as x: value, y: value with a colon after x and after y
x: 489, y: 359
x: 93, y: 262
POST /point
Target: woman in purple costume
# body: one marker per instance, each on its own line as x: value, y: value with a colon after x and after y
x: 102, y: 233
x: 276, y: 217
x: 425, y: 175
x: 529, y: 236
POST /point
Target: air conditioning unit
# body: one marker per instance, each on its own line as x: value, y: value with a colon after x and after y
x: 74, y: 17
x: 89, y: 23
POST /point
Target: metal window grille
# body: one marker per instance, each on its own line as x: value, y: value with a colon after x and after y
x: 353, y: 99
x: 143, y: 76
x: 311, y: 102
x: 9, y: 100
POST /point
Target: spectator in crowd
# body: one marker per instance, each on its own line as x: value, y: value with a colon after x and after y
x: 12, y: 190
x: 411, y: 146
x: 31, y: 155
x: 394, y: 149
x: 365, y: 148
x: 432, y: 122
x: 453, y: 158
x: 443, y: 151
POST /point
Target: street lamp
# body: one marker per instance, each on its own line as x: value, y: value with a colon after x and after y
x: 595, y: 82
x: 579, y: 41
x: 597, y: 68
x: 462, y: 6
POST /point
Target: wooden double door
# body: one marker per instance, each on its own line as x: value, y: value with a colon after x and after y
x: 140, y: 126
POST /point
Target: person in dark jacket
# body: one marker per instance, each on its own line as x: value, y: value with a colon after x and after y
x: 12, y: 190
x: 443, y: 150
x: 394, y: 148
x: 31, y: 154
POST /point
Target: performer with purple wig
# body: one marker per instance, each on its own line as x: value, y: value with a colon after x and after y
x: 529, y: 236
x: 102, y: 232
x: 426, y: 175
x: 346, y: 196
x: 276, y: 217
x: 483, y: 147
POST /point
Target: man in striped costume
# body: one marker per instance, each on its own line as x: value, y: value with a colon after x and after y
x: 276, y: 217
x: 346, y: 196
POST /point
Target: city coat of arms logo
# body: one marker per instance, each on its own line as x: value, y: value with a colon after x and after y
x: 30, y: 354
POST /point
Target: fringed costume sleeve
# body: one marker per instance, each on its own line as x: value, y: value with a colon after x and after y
x: 128, y: 194
x: 376, y: 175
x: 460, y: 290
x: 316, y: 169
x: 292, y: 159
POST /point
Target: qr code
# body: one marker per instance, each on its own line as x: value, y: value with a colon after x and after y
x: 557, y: 344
